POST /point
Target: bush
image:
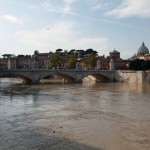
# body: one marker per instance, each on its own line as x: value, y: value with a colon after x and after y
x: 139, y: 64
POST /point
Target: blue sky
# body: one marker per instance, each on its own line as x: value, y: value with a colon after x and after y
x: 46, y: 25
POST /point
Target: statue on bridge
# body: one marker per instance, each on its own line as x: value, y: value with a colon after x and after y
x: 78, y: 66
x: 35, y: 64
x: 112, y: 65
x: 98, y: 66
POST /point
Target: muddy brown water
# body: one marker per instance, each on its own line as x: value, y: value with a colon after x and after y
x: 103, y: 116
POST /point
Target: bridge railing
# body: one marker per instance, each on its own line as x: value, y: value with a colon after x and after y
x: 26, y: 70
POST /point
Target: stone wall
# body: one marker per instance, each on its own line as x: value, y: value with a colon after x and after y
x: 146, y: 76
x: 132, y: 76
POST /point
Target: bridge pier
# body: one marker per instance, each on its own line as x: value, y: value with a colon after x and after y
x: 35, y: 82
x: 78, y: 81
x: 35, y: 77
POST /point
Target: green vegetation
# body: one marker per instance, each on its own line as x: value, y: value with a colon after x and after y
x: 139, y: 64
x: 72, y: 61
x: 59, y: 58
x: 55, y: 60
x: 91, y: 60
x: 91, y: 51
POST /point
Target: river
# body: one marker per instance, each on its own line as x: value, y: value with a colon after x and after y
x: 89, y: 116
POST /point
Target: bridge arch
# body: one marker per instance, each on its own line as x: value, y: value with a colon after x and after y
x: 97, y: 77
x: 26, y: 79
x: 66, y: 78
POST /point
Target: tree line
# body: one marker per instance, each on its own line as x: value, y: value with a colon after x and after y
x: 69, y: 61
x: 139, y: 64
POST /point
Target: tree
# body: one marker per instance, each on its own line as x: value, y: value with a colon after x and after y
x: 72, y: 51
x: 89, y: 51
x: 56, y: 60
x: 139, y: 64
x: 95, y: 52
x: 59, y: 50
x: 91, y: 60
x: 147, y: 64
x: 72, y: 61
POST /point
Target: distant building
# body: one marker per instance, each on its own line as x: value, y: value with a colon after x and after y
x: 23, y: 62
x: 28, y: 61
x: 5, y: 62
x: 115, y: 55
x: 143, y: 50
x: 104, y: 63
x: 142, y: 53
x: 80, y: 54
x: 147, y: 57
x: 42, y: 59
x: 13, y: 62
x: 119, y: 63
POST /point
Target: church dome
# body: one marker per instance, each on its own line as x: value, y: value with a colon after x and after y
x: 36, y: 52
x: 142, y: 50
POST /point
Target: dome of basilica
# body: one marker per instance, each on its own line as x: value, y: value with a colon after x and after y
x: 142, y: 50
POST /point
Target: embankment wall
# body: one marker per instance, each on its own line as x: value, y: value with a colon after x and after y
x: 132, y: 76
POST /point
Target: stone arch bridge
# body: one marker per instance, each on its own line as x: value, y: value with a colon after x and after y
x: 73, y: 75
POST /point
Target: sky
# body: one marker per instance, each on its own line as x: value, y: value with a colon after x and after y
x: 46, y: 25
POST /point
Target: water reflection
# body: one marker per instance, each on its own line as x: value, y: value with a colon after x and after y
x: 99, y: 116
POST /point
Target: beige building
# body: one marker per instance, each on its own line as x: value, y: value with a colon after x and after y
x: 20, y: 62
x: 147, y: 57
x: 119, y: 63
x: 3, y: 63
x: 43, y: 59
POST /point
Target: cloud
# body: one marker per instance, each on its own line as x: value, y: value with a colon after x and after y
x: 62, y: 7
x: 94, y: 4
x: 129, y: 8
x: 100, y: 5
x: 96, y: 7
x: 12, y: 19
x: 69, y: 2
x: 66, y: 8
x: 62, y: 35
x: 1, y: 37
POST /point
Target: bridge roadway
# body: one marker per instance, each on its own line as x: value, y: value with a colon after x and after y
x: 73, y: 75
